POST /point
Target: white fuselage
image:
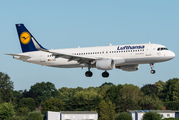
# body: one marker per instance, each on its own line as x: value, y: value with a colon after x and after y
x: 129, y: 54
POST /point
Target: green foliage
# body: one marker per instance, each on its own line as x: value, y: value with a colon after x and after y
x: 160, y: 85
x: 113, y: 92
x: 53, y: 104
x: 128, y: 98
x: 150, y: 90
x: 106, y: 110
x: 172, y: 105
x: 18, y: 118
x: 151, y: 116
x: 22, y: 111
x: 125, y: 104
x: 6, y: 88
x: 170, y: 119
x: 131, y: 91
x: 27, y: 102
x: 83, y: 100
x: 44, y: 91
x: 104, y: 88
x: 35, y: 115
x: 123, y: 116
x: 170, y: 91
x: 148, y: 103
x: 18, y: 94
x: 6, y: 111
x: 67, y: 93
x: 108, y: 84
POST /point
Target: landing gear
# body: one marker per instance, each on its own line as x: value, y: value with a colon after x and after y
x: 152, y: 71
x: 89, y: 73
x: 105, y: 74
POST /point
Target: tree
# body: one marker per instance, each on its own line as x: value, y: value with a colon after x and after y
x: 170, y: 91
x: 151, y: 116
x: 125, y: 104
x: 131, y: 91
x: 106, y: 110
x: 35, y: 115
x: 172, y: 105
x: 18, y: 118
x: 148, y: 103
x: 53, y: 104
x: 83, y: 101
x: 150, y: 90
x: 6, y: 111
x: 44, y: 91
x: 106, y: 83
x: 113, y: 92
x: 27, y: 102
x: 22, y: 111
x: 123, y: 116
x: 66, y: 94
x: 6, y: 88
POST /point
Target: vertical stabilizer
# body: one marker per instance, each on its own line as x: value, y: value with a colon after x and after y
x: 26, y: 39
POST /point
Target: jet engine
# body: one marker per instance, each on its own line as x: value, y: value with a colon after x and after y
x: 105, y: 64
x: 128, y: 67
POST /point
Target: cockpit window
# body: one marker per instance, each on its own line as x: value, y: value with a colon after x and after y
x: 159, y: 49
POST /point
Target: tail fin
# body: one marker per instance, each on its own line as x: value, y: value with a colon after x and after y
x: 26, y: 39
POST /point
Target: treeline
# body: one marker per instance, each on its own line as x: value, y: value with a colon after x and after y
x: 107, y: 99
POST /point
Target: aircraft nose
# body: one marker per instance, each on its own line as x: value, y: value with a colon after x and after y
x: 172, y: 54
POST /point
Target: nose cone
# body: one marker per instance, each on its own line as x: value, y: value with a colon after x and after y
x: 172, y: 54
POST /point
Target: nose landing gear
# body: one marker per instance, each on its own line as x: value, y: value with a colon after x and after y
x: 152, y: 71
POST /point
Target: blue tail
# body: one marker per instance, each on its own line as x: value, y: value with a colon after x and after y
x: 25, y: 38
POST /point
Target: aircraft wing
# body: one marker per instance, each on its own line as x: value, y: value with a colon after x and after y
x: 23, y: 57
x: 80, y: 59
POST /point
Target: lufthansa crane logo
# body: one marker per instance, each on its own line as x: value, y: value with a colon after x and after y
x: 25, y: 38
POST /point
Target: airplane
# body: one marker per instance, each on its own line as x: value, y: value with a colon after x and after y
x: 125, y: 57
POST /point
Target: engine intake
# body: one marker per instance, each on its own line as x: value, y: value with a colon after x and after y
x: 105, y: 64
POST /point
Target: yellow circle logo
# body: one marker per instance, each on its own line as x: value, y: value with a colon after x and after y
x: 25, y: 38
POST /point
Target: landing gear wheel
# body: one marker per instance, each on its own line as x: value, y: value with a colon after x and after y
x: 105, y: 74
x: 152, y: 71
x: 88, y: 74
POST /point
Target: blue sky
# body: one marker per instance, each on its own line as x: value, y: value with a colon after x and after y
x: 72, y: 23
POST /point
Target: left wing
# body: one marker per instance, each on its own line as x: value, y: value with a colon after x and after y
x: 22, y: 57
x: 80, y: 59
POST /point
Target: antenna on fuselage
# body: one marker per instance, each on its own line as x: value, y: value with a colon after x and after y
x: 149, y: 42
x: 110, y: 44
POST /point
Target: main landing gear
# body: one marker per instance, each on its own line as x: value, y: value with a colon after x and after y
x: 152, y: 71
x: 89, y: 73
x: 105, y: 74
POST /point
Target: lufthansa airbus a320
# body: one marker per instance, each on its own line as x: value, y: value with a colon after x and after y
x: 125, y: 57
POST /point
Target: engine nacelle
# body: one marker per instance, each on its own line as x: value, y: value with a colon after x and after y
x: 105, y: 64
x: 128, y: 67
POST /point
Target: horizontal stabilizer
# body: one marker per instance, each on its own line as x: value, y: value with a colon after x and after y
x: 18, y: 56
